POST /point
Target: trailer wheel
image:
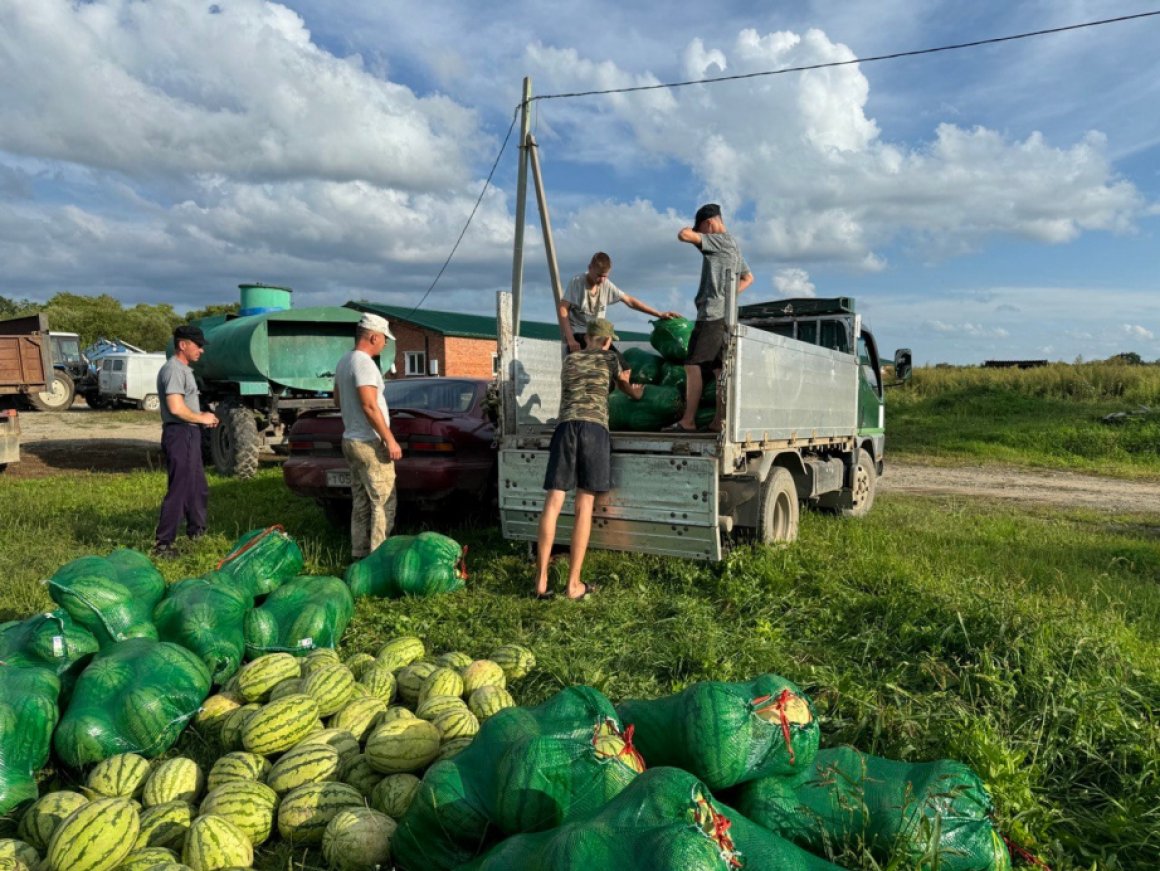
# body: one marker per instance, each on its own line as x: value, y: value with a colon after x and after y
x: 865, y: 485
x: 778, y: 514
x: 234, y: 442
x: 58, y: 397
x: 150, y: 403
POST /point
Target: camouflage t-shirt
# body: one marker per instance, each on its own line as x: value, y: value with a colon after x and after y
x: 587, y: 379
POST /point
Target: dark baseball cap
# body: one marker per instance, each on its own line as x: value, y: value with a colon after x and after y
x: 707, y: 211
x: 190, y: 332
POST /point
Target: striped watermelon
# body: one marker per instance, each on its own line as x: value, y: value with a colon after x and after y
x: 45, y: 814
x: 340, y: 739
x: 147, y: 859
x: 358, y: 839
x: 441, y: 682
x: 330, y: 685
x: 357, y: 772
x: 360, y: 716
x: 394, y: 794
x: 453, y: 746
x: 177, y: 779
x: 397, y: 712
x: 359, y: 663
x: 402, y: 651
x: 164, y: 825
x: 120, y: 776
x: 302, y: 764
x: 319, y: 658
x: 432, y: 707
x: 305, y: 812
x: 247, y: 804
x: 17, y: 851
x: 456, y: 724
x: 239, y: 765
x: 403, y: 745
x: 95, y: 837
x: 230, y: 734
x: 215, y: 843
x: 280, y: 725
x: 409, y: 680
x: 358, y: 691
x: 483, y: 673
x: 257, y: 678
x: 515, y: 660
x: 455, y: 659
x: 379, y: 681
x: 488, y: 701
x: 177, y: 866
x: 288, y: 687
x: 214, y: 711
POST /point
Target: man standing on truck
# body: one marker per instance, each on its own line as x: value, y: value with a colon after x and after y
x: 580, y: 455
x: 719, y: 254
x: 367, y: 442
x: 187, y: 496
x: 588, y: 296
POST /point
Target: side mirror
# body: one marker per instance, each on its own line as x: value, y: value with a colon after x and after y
x: 902, y: 365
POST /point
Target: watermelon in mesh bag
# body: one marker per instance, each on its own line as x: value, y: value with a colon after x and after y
x: 727, y: 733
x: 303, y: 614
x: 657, y: 408
x: 646, y: 368
x: 50, y: 640
x: 136, y: 696
x: 28, y: 714
x: 671, y: 338
x: 207, y: 616
x: 409, y: 565
x: 665, y: 819
x: 912, y: 815
x: 112, y: 597
x: 262, y: 560
x: 527, y: 770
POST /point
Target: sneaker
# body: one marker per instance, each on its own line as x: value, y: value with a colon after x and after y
x: 163, y: 551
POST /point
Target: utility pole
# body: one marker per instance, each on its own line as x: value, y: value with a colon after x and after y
x: 521, y: 207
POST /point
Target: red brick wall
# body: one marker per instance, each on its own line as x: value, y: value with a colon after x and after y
x: 468, y: 357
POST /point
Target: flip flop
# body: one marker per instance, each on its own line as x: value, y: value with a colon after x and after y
x: 589, y: 589
x: 544, y: 597
x: 676, y: 427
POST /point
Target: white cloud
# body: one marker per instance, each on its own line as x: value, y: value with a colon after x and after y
x: 1136, y: 331
x: 965, y: 328
x: 793, y: 282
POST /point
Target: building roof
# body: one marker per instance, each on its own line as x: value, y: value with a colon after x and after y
x: 469, y: 326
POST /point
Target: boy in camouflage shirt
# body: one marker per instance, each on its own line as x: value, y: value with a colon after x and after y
x: 580, y: 456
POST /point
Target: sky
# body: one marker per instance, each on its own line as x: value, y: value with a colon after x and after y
x: 1000, y: 202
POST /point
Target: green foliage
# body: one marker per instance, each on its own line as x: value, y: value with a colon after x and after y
x: 210, y: 311
x: 146, y: 326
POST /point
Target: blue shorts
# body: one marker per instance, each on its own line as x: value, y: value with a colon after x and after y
x: 580, y: 457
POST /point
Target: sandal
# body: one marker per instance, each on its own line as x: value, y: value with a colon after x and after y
x: 589, y: 589
x: 544, y: 597
x: 676, y: 427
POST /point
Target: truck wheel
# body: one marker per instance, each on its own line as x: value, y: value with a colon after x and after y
x: 778, y: 514
x: 150, y: 403
x: 58, y: 397
x: 234, y: 442
x: 865, y: 485
x: 95, y: 401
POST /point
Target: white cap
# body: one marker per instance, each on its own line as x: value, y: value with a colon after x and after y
x: 376, y: 324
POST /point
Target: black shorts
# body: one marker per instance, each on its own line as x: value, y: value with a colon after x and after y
x: 580, y: 458
x: 706, y: 344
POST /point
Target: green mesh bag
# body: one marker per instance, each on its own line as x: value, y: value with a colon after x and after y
x: 664, y: 820
x: 28, y: 713
x: 911, y: 815
x: 409, y: 565
x: 673, y: 375
x: 262, y: 560
x: 112, y: 597
x: 656, y: 409
x: 527, y: 770
x: 646, y: 367
x: 206, y: 616
x: 671, y: 338
x: 727, y: 733
x: 134, y: 697
x: 50, y: 640
x: 301, y: 615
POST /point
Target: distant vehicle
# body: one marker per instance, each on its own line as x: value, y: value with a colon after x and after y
x: 130, y: 378
x: 25, y: 358
x: 89, y: 387
x: 447, y: 432
x: 9, y: 437
x: 71, y: 369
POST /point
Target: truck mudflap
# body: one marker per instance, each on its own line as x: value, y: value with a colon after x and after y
x: 664, y: 505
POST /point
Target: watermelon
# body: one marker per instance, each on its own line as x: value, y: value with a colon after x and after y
x: 436, y: 705
x: 280, y: 725
x: 360, y: 716
x: 239, y: 765
x: 394, y: 793
x: 147, y: 859
x: 245, y: 803
x: 177, y: 779
x: 403, y: 745
x: 120, y: 776
x: 453, y: 746
x: 215, y: 843
x: 456, y: 724
x: 289, y: 687
x: 13, y: 851
x: 341, y: 740
x: 164, y: 825
x: 482, y: 673
x: 488, y: 701
x: 257, y: 678
x: 359, y: 663
x: 306, y: 811
x: 97, y: 836
x: 357, y: 839
x: 315, y: 659
x: 330, y: 686
x: 28, y: 714
x: 442, y: 681
x: 214, y: 710
x: 402, y: 651
x: 410, y: 678
x: 302, y: 764
x: 42, y: 818
x: 379, y: 681
x: 230, y: 734
x: 357, y: 772
x: 455, y: 659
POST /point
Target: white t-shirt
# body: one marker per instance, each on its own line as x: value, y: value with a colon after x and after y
x: 357, y: 369
x: 585, y: 304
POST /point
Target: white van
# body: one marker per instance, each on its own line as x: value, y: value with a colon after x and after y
x: 132, y: 379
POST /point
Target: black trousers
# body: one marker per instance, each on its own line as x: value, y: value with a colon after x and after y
x: 188, y: 493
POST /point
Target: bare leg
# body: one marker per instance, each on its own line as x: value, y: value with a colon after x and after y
x: 692, y: 396
x: 553, y: 502
x: 581, y: 530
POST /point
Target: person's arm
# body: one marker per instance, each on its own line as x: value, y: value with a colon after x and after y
x: 562, y: 314
x: 688, y: 234
x: 368, y: 398
x: 744, y: 282
x: 641, y: 306
x: 625, y: 385
x: 175, y: 402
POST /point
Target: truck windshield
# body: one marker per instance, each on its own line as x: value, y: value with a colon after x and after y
x: 448, y: 396
x: 66, y: 349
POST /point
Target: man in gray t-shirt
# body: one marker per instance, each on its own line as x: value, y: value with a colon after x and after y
x: 187, y: 494
x: 587, y: 298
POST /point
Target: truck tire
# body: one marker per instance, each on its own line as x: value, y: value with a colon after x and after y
x: 865, y: 485
x: 779, y: 509
x: 150, y: 403
x: 58, y: 397
x: 95, y: 401
x: 234, y: 442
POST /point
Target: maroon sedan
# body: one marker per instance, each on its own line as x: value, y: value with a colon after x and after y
x: 445, y: 427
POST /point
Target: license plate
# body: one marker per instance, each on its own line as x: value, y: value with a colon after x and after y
x: 338, y: 477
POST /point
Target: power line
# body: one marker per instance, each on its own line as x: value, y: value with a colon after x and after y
x: 841, y: 63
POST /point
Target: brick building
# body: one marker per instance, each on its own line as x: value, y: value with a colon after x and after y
x: 449, y: 343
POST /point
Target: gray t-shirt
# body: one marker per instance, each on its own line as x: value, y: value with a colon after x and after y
x: 720, y: 254
x: 357, y: 369
x: 176, y: 377
x: 585, y: 304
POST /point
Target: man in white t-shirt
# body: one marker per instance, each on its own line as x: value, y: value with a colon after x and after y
x: 367, y: 443
x: 588, y: 296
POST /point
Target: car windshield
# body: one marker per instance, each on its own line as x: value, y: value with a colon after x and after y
x: 448, y: 396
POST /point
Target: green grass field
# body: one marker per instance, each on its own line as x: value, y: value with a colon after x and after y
x: 1021, y: 642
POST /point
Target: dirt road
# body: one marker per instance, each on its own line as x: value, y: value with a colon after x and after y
x: 125, y: 440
